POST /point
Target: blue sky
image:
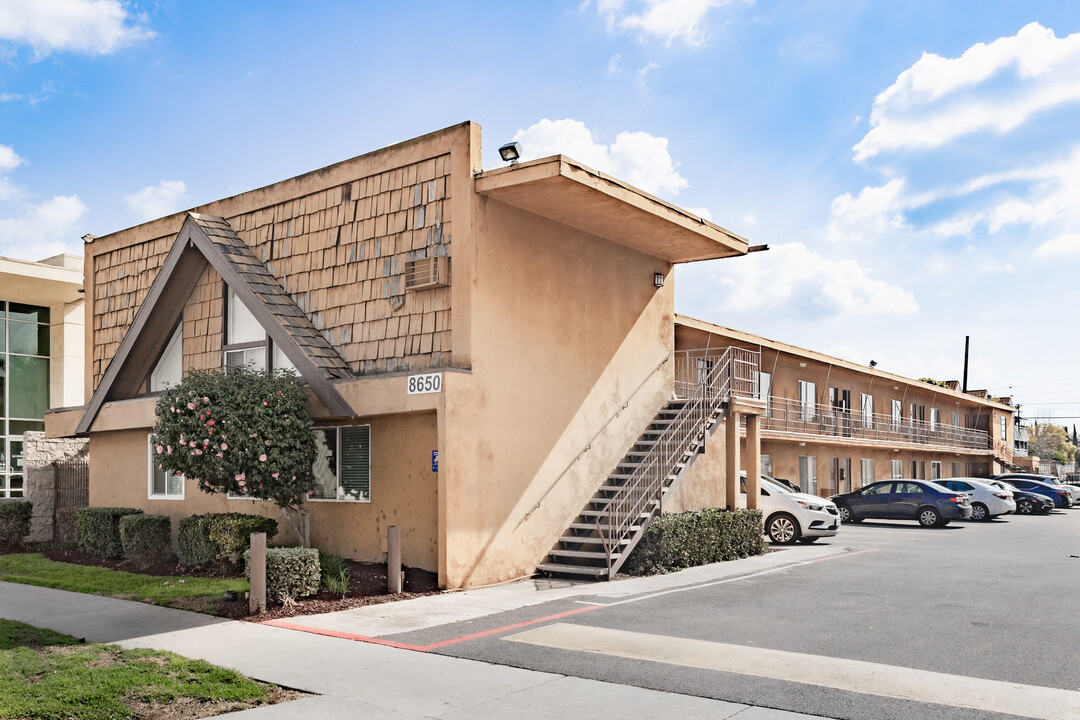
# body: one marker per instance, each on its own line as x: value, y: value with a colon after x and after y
x: 914, y: 167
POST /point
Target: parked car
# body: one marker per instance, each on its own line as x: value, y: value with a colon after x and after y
x: 1073, y: 490
x: 1027, y: 503
x: 795, y: 516
x: 987, y: 501
x: 931, y: 504
x: 1062, y: 498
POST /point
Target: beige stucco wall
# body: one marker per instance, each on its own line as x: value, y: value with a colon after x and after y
x: 403, y: 492
x: 704, y: 485
x: 565, y: 327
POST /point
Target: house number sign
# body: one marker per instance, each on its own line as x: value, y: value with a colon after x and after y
x: 428, y: 383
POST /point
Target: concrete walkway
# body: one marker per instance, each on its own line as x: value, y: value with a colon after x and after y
x: 369, y: 680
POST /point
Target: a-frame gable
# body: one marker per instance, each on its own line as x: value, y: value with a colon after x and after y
x: 203, y: 240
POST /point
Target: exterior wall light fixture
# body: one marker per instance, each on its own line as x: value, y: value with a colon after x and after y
x: 658, y: 280
x: 510, y: 152
x: 873, y: 363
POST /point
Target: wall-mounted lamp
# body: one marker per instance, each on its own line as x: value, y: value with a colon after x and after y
x: 510, y: 152
x: 873, y: 363
x: 658, y: 280
x: 88, y: 238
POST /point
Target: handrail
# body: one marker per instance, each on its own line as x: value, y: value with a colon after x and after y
x: 588, y: 445
x: 705, y: 379
x: 785, y: 415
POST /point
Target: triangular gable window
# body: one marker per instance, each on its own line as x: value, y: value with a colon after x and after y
x: 246, y: 342
x: 170, y: 367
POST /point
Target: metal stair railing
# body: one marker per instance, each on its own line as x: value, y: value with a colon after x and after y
x: 704, y: 379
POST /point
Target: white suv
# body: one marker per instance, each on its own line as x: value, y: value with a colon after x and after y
x: 987, y: 501
x: 791, y: 516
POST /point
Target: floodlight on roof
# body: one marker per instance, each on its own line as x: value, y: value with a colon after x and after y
x: 510, y: 152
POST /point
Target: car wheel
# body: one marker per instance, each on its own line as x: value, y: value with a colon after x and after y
x: 808, y: 540
x: 782, y: 529
x: 846, y: 516
x: 929, y: 517
x: 1025, y: 507
x: 980, y: 512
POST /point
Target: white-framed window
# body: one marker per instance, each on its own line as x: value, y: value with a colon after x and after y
x: 935, y: 470
x: 766, y: 465
x: 808, y: 474
x: 935, y: 417
x: 956, y: 419
x: 897, y: 418
x: 161, y: 484
x: 866, y: 402
x: 1003, y: 427
x: 866, y: 471
x: 342, y: 466
x: 765, y: 391
x: 897, y: 467
x: 170, y: 366
x: 246, y: 342
x: 807, y: 400
x: 957, y: 469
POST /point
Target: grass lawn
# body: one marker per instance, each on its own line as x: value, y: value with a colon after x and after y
x: 44, y: 674
x: 189, y: 593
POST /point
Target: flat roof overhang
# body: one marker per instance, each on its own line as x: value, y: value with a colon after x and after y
x: 36, y: 283
x: 568, y: 192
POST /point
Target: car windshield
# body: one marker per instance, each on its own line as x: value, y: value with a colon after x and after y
x: 771, y: 486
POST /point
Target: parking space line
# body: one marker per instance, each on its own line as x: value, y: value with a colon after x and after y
x: 858, y: 676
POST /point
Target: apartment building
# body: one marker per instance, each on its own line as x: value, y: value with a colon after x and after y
x: 834, y: 426
x: 41, y: 353
x: 482, y: 348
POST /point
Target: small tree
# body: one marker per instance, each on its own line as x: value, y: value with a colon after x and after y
x: 1051, y: 442
x: 244, y: 432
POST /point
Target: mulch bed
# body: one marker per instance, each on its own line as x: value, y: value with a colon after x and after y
x: 367, y: 584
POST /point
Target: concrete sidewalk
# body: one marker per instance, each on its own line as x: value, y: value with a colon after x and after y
x: 368, y: 680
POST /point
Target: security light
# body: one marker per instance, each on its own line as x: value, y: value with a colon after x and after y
x: 658, y: 280
x: 510, y: 152
x: 873, y: 363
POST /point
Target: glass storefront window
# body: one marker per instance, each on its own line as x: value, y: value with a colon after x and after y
x: 28, y: 389
x: 28, y: 313
x: 24, y: 385
x: 28, y: 339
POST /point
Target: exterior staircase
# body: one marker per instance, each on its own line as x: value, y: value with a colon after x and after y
x: 598, y: 541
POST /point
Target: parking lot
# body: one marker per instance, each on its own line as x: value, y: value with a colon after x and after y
x: 904, y: 622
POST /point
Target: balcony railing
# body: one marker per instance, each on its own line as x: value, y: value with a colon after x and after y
x: 792, y: 416
x: 737, y: 372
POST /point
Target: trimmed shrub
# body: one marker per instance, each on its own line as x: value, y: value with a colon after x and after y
x: 334, y: 573
x: 203, y: 539
x: 291, y: 572
x: 15, y: 521
x: 97, y: 529
x: 146, y: 538
x: 681, y: 540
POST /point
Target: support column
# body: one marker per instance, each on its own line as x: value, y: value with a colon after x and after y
x: 731, y: 474
x: 753, y: 461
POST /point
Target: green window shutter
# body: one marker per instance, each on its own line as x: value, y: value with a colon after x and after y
x: 355, y: 462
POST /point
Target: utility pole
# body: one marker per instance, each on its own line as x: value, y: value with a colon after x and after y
x: 967, y: 345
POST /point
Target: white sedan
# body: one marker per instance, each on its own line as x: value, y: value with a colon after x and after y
x: 791, y: 516
x: 987, y: 501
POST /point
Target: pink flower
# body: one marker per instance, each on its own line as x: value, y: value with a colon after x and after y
x: 240, y: 477
x: 212, y: 421
x: 266, y: 404
x: 198, y: 452
x: 191, y: 406
x: 254, y: 435
x: 159, y: 449
x: 267, y: 443
x: 241, y: 483
x: 221, y: 455
x: 172, y: 409
x: 275, y: 475
x: 262, y: 458
x: 168, y: 449
x: 205, y: 399
x: 191, y: 444
x: 224, y: 446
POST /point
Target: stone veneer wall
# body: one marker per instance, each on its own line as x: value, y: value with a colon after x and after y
x: 39, y: 454
x: 340, y: 253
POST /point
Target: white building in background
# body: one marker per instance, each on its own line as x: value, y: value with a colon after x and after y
x: 42, y: 351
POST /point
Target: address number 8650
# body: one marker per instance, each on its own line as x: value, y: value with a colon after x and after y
x: 429, y: 383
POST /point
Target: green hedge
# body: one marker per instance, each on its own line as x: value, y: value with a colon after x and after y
x: 291, y: 572
x: 97, y: 529
x: 146, y: 538
x: 681, y: 540
x: 202, y: 539
x: 15, y: 521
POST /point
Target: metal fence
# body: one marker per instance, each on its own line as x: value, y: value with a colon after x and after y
x: 71, y: 491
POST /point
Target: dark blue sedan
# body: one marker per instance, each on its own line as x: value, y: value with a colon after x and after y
x: 1059, y: 495
x: 931, y: 504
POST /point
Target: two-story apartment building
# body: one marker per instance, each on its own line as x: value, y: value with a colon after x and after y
x: 484, y: 350
x: 833, y: 426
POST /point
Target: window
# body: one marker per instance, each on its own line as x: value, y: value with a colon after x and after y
x: 807, y: 400
x: 766, y: 465
x: 957, y: 469
x: 866, y: 471
x: 169, y: 369
x: 956, y: 419
x: 935, y: 416
x: 342, y: 466
x: 163, y: 484
x: 24, y: 386
x: 808, y: 474
x: 897, y: 467
x: 765, y: 390
x: 897, y: 417
x: 840, y: 475
x: 935, y: 470
x: 1003, y: 427
x: 908, y: 488
x: 880, y: 489
x: 246, y: 342
x: 866, y: 402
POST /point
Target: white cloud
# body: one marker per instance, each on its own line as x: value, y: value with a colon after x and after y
x: 155, y: 201
x: 874, y: 211
x: 792, y: 279
x: 1065, y: 246
x: 668, y: 20
x: 638, y: 158
x: 614, y: 64
x: 997, y: 87
x: 42, y: 230
x: 643, y: 72
x: 91, y: 27
x: 9, y: 159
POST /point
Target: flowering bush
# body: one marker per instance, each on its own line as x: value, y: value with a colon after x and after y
x: 243, y: 432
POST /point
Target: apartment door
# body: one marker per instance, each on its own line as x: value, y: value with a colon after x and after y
x: 840, y: 405
x: 841, y: 475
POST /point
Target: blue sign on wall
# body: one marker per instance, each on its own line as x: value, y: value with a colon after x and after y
x: 434, y: 461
